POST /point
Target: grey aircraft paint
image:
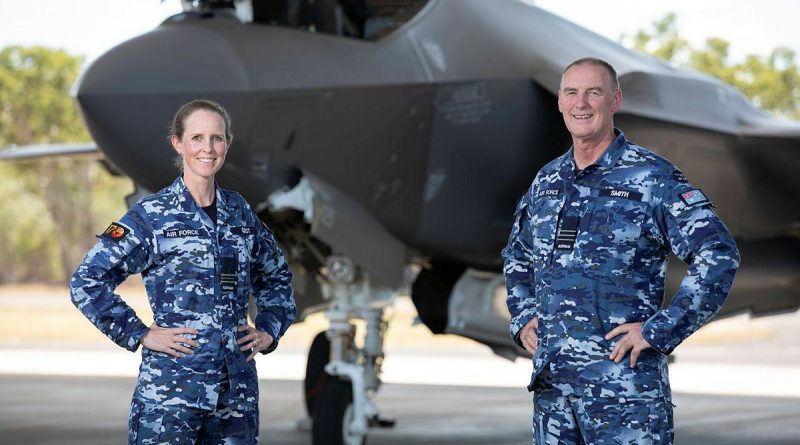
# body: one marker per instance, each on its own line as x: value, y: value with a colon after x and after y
x: 435, y: 130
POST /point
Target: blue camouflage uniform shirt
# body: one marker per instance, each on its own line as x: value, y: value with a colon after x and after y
x: 197, y: 274
x: 588, y: 252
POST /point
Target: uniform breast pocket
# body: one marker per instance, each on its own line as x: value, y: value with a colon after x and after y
x: 611, y: 236
x: 543, y: 216
x: 245, y: 246
x: 186, y: 273
x: 242, y: 238
x: 185, y: 253
x: 239, y: 244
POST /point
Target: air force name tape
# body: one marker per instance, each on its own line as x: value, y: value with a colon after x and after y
x: 694, y: 197
x: 181, y: 233
x: 548, y: 192
x: 115, y: 232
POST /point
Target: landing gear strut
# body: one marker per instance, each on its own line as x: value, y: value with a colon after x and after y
x: 339, y: 400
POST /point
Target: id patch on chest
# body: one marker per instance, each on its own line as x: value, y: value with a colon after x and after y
x: 227, y: 279
x: 115, y: 232
x: 567, y: 233
x: 693, y: 198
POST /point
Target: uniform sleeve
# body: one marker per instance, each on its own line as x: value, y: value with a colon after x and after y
x: 518, y: 271
x: 697, y: 236
x: 116, y: 255
x: 272, y: 286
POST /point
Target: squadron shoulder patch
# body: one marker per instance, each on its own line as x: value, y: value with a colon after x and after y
x: 694, y: 197
x: 115, y: 232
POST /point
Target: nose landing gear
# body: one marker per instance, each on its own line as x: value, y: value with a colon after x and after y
x: 341, y: 377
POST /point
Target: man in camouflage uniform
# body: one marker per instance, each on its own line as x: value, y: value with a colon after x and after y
x: 585, y: 266
x: 198, y: 274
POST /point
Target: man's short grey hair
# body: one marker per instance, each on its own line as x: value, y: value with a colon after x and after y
x: 612, y: 73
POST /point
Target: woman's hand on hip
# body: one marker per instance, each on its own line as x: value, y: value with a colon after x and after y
x: 173, y: 341
x: 254, y: 340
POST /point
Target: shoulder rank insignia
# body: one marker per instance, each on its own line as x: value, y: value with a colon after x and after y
x: 679, y: 176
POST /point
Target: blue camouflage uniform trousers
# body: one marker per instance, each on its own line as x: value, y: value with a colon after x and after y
x: 199, y: 274
x: 588, y: 252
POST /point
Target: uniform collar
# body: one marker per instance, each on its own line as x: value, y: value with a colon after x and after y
x: 607, y: 160
x: 614, y: 151
x: 187, y: 204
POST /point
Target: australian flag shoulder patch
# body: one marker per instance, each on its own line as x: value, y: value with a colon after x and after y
x: 694, y: 197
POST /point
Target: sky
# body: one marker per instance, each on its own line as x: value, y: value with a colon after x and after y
x: 90, y: 27
x: 751, y: 26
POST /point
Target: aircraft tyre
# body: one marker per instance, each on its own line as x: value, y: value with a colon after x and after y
x: 333, y: 413
x: 316, y: 377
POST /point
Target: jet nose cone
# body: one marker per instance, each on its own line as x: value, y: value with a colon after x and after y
x: 185, y: 54
x: 129, y: 95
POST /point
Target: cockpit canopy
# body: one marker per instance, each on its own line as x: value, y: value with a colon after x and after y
x: 358, y: 19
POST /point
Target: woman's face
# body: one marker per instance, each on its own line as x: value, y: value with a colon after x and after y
x: 203, y: 146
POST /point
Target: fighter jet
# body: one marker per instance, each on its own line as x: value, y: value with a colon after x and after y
x: 386, y: 143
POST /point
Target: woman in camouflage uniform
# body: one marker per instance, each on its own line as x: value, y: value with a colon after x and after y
x: 202, y: 251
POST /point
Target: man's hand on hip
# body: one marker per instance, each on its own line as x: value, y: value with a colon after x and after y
x: 527, y: 335
x: 632, y: 340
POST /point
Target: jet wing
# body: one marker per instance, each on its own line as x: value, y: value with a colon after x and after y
x: 84, y: 150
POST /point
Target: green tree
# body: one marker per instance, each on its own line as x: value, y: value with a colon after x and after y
x: 663, y: 41
x: 772, y: 82
x: 49, y: 209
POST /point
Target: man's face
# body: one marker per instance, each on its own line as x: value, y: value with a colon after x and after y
x: 588, y: 100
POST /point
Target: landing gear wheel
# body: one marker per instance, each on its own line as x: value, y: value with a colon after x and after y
x: 333, y: 413
x: 316, y: 378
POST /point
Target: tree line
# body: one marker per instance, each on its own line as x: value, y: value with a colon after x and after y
x: 771, y: 81
x: 51, y: 209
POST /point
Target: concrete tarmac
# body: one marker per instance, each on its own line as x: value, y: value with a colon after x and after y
x: 62, y: 382
x: 65, y: 410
